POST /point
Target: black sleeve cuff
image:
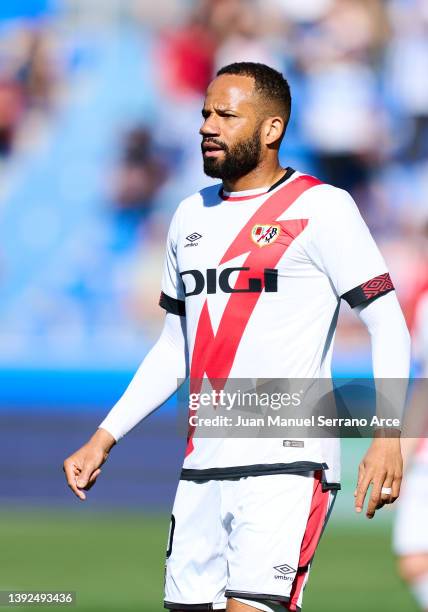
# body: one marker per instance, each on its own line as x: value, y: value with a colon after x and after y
x: 172, y: 305
x: 369, y: 291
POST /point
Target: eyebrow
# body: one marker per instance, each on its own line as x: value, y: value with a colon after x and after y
x: 205, y: 112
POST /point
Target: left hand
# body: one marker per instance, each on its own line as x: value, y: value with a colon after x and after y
x: 381, y: 466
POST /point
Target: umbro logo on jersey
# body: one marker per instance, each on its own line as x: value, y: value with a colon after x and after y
x: 284, y: 571
x: 265, y: 234
x: 192, y: 238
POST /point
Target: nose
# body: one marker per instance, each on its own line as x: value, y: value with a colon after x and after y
x: 210, y: 127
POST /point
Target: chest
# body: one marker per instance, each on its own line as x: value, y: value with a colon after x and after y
x: 239, y: 248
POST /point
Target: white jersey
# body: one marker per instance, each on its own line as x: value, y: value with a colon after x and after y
x: 259, y: 276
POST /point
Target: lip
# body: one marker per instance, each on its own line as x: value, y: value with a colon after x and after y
x: 208, y: 147
x: 212, y: 152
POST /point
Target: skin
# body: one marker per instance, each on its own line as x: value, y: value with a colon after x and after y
x: 82, y: 468
x: 381, y: 466
x: 231, y: 113
x: 238, y: 606
x: 413, y: 567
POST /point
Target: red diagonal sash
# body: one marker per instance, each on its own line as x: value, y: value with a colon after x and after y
x: 213, y: 354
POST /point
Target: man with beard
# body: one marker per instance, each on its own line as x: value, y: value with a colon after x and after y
x: 254, y: 272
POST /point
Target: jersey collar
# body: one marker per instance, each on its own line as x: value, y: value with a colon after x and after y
x: 237, y: 196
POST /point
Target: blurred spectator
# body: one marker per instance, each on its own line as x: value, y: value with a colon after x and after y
x: 11, y: 111
x: 186, y: 53
x: 239, y: 27
x: 36, y: 72
x: 420, y: 285
x: 406, y: 71
x: 27, y: 79
x: 215, y: 33
x: 343, y: 121
x: 140, y: 175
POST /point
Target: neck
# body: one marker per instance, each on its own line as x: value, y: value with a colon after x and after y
x: 262, y: 176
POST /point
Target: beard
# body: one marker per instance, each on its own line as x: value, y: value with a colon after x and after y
x: 238, y: 160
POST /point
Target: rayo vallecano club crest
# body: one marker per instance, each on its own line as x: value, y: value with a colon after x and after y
x: 265, y: 234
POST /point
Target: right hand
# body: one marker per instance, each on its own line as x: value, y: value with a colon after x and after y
x: 82, y: 468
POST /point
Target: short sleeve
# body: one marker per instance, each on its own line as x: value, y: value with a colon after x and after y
x: 343, y: 247
x: 172, y: 294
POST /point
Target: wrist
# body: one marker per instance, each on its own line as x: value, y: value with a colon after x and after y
x: 386, y: 433
x: 103, y: 439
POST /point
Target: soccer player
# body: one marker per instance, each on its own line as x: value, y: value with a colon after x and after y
x: 255, y: 270
x: 410, y: 529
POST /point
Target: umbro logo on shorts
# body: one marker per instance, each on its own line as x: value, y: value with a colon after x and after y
x: 192, y: 238
x: 284, y: 571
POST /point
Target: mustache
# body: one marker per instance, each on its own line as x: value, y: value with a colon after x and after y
x: 215, y: 141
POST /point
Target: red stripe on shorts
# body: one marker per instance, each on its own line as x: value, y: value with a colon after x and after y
x: 316, y: 520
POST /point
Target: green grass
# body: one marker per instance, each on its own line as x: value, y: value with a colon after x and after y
x: 115, y: 562
x: 354, y: 570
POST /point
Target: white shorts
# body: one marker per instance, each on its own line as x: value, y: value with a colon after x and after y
x: 251, y: 538
x: 411, y: 528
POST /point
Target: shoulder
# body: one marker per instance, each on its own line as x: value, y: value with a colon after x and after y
x: 319, y: 197
x: 327, y: 203
x: 330, y: 197
x: 189, y: 205
x: 204, y: 197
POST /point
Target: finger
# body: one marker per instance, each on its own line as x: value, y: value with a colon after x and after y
x: 375, y: 497
x: 85, y: 474
x: 71, y: 470
x: 386, y: 497
x: 93, y: 479
x: 396, y: 488
x: 361, y: 471
x: 362, y: 492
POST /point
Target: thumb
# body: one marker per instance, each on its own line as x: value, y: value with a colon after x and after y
x: 85, y: 475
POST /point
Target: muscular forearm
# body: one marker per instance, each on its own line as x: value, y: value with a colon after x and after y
x: 156, y: 379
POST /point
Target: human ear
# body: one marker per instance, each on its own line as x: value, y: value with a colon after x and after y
x: 273, y: 130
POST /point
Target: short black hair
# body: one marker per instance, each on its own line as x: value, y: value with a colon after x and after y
x: 269, y: 83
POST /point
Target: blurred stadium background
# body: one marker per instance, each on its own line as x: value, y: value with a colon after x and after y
x: 99, y: 114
